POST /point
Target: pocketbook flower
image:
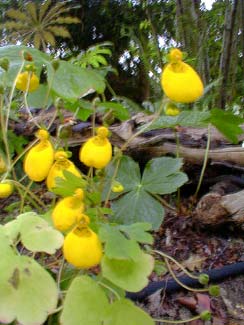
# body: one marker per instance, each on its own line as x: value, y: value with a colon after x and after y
x: 61, y: 163
x: 27, y: 81
x: 39, y: 158
x: 69, y: 211
x: 97, y: 151
x: 82, y: 247
x: 180, y: 81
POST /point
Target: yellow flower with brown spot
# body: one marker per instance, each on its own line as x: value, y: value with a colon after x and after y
x: 39, y: 158
x: 69, y: 211
x: 180, y: 81
x: 61, y: 163
x: 27, y: 81
x: 97, y: 151
x: 82, y: 248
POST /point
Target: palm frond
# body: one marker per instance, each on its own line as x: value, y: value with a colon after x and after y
x: 37, y: 40
x: 16, y: 14
x: 59, y: 31
x: 43, y: 9
x: 49, y: 38
x: 56, y: 10
x: 13, y: 25
x: 32, y: 11
x: 66, y: 20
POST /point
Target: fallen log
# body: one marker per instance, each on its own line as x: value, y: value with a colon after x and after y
x: 215, y: 209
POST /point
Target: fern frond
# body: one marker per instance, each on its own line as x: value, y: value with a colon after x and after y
x: 54, y: 11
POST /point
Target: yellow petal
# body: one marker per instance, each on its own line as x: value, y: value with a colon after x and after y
x: 181, y: 83
x: 67, y: 212
x: 82, y: 248
x: 57, y: 171
x: 39, y: 160
x: 96, y: 152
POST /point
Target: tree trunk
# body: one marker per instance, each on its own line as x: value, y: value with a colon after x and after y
x: 231, y: 15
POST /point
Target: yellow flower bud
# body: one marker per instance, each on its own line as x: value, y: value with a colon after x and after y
x: 82, y: 248
x: 180, y: 81
x: 117, y: 187
x: 97, y: 151
x: 171, y: 110
x: 26, y: 77
x: 39, y: 158
x: 61, y: 164
x: 6, y: 189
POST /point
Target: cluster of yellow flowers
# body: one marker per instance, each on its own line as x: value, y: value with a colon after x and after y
x: 82, y: 247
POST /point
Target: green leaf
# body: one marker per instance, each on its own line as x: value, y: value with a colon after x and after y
x: 37, y: 235
x: 85, y: 303
x: 11, y: 230
x: 138, y: 232
x: 128, y: 175
x: 125, y: 309
x: 138, y: 206
x: 119, y: 111
x: 162, y: 175
x: 185, y: 118
x: 227, y: 124
x: 30, y: 293
x: 116, y: 245
x: 82, y: 108
x: 130, y: 275
x: 71, y: 82
x: 39, y: 98
x: 66, y: 186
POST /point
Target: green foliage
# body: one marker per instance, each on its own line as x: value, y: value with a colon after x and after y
x: 94, y: 56
x: 30, y: 293
x: 124, y: 309
x: 161, y: 176
x: 129, y: 274
x: 227, y: 123
x: 85, y: 303
x: 34, y: 233
x: 76, y: 82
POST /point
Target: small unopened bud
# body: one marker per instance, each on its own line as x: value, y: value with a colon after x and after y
x: 205, y: 315
x: 214, y: 290
x: 203, y: 278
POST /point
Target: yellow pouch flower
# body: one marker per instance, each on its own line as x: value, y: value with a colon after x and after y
x: 180, y: 81
x: 82, y: 248
x: 39, y: 158
x: 62, y: 163
x: 68, y: 211
x: 97, y: 151
x: 6, y: 189
x: 22, y: 81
